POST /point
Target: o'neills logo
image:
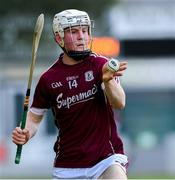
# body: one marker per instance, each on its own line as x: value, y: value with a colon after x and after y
x: 78, y: 98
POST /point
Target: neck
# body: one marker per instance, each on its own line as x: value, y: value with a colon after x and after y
x: 69, y: 61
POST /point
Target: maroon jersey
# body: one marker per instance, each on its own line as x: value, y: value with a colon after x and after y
x: 87, y: 130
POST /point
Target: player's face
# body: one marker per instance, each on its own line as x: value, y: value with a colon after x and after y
x: 77, y: 38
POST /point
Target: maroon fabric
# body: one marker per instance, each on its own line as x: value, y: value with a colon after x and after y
x: 87, y: 130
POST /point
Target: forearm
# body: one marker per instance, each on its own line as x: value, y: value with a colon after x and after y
x: 115, y: 94
x: 32, y: 123
x: 114, y: 91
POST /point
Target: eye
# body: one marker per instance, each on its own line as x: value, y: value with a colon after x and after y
x: 73, y: 31
x: 84, y: 30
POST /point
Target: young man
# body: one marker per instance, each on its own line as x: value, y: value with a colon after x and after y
x: 81, y: 87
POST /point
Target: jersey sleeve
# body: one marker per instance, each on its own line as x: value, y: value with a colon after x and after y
x: 41, y: 99
x: 100, y: 61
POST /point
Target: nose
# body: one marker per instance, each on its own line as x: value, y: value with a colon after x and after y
x: 80, y: 34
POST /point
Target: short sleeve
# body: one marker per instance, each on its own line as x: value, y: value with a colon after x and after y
x: 100, y: 61
x: 41, y: 97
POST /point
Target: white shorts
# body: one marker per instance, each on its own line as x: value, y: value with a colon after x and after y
x: 93, y: 172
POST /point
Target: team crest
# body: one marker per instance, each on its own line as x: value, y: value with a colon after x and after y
x: 89, y: 76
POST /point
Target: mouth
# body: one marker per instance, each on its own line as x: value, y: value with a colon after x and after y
x: 80, y: 45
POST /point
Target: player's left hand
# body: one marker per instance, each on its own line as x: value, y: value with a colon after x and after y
x: 108, y: 74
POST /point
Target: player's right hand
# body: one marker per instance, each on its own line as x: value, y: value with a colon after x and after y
x: 20, y: 136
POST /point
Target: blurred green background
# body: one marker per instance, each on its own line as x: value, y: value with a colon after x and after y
x: 145, y: 31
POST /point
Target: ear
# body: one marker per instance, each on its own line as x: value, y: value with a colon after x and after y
x: 59, y: 40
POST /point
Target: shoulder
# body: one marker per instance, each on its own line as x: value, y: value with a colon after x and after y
x: 50, y: 71
x: 98, y: 59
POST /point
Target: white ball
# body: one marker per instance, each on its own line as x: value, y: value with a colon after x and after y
x: 113, y: 65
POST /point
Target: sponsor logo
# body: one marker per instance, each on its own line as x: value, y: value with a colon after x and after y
x: 77, y: 98
x: 70, y: 78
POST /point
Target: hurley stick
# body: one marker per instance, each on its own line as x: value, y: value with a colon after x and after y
x: 36, y: 38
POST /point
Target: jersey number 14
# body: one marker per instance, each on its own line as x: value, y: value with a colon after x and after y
x: 72, y: 84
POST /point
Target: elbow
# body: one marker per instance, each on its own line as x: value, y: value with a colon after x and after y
x: 119, y: 105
